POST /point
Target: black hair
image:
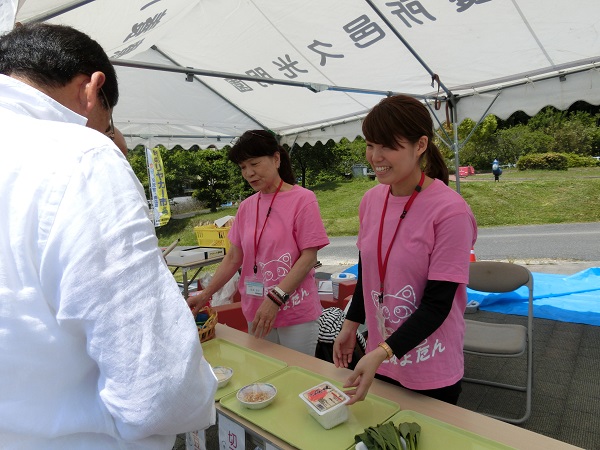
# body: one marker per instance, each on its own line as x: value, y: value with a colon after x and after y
x: 256, y: 143
x: 52, y: 55
x: 401, y: 116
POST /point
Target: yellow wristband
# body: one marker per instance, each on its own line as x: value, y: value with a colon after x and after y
x: 387, y: 349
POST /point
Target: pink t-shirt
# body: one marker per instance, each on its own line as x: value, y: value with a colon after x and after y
x: 293, y: 225
x: 433, y: 243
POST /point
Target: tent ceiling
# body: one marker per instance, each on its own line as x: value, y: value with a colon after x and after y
x: 353, y: 51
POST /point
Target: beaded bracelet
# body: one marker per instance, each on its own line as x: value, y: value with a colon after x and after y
x: 277, y: 292
x: 274, y: 299
x: 387, y: 349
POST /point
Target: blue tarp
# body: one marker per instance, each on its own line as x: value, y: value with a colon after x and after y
x: 567, y: 298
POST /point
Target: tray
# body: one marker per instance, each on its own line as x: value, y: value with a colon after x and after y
x: 288, y: 419
x: 436, y: 434
x: 248, y: 365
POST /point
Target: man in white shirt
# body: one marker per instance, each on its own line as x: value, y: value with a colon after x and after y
x: 98, y: 349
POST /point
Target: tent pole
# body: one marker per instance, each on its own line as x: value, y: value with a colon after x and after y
x: 164, y: 55
x: 50, y: 14
x: 408, y: 46
x: 441, y: 127
x: 314, y: 87
x: 483, y: 116
x: 455, y: 146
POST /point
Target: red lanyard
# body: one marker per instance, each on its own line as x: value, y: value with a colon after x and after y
x: 383, y: 264
x: 264, y: 224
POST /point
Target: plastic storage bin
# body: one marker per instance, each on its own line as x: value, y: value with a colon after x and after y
x: 212, y: 236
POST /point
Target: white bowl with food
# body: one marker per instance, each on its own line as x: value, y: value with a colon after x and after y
x: 257, y: 395
x: 223, y: 375
x: 326, y: 404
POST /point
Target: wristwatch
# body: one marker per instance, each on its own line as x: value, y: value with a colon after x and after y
x: 279, y: 293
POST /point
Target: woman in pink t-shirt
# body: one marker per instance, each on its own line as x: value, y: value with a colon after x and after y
x: 274, y: 238
x: 414, y: 243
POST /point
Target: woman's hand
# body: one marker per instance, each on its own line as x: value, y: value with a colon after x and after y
x: 197, y: 300
x: 230, y: 264
x: 343, y: 346
x: 362, y: 376
x: 264, y: 318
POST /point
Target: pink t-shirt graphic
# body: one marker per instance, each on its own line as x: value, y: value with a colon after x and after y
x: 433, y: 243
x: 293, y: 225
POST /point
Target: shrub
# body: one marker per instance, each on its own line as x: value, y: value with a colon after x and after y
x: 543, y: 161
x: 574, y: 160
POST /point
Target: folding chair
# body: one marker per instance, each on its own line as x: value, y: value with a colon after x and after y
x: 502, y: 340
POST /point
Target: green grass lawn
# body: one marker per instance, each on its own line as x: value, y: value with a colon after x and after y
x: 520, y: 198
x: 534, y: 197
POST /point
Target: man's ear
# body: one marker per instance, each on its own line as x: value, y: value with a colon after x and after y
x: 89, y: 94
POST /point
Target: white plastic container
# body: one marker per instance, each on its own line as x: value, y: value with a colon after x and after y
x: 335, y: 282
x: 326, y: 404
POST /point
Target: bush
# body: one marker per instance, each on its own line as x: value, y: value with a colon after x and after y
x: 574, y: 160
x: 543, y: 161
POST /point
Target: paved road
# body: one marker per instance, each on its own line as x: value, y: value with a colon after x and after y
x: 572, y: 241
x: 575, y: 241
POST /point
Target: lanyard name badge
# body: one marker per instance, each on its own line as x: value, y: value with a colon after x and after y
x: 254, y: 284
x: 382, y: 263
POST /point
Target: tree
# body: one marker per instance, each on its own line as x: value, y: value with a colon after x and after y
x: 572, y: 132
x: 320, y: 162
x: 349, y: 153
x: 512, y: 143
x: 179, y: 168
x: 239, y: 187
x: 478, y: 149
x: 137, y: 160
x: 312, y: 162
x: 212, y: 183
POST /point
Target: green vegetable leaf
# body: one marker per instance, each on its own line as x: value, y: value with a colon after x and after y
x: 379, y: 440
x: 366, y: 439
x: 391, y: 436
x: 415, y: 432
x: 404, y: 430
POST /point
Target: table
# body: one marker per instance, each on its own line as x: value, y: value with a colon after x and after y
x: 496, y: 430
x: 198, y: 264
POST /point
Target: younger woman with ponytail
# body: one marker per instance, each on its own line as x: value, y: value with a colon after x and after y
x: 414, y: 243
x: 274, y: 239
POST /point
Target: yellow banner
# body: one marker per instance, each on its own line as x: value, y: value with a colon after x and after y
x: 158, y: 187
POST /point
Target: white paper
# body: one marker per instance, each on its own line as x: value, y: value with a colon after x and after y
x: 231, y: 435
x: 223, y: 220
x: 325, y: 287
x: 196, y: 440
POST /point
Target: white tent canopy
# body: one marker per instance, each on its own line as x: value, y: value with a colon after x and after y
x: 328, y: 61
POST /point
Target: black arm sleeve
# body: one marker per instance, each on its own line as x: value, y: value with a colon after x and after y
x: 356, y: 312
x: 429, y: 316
